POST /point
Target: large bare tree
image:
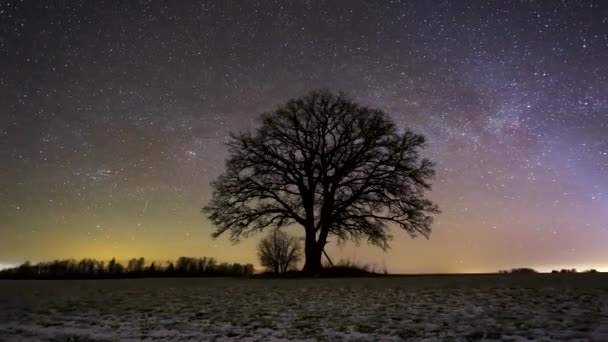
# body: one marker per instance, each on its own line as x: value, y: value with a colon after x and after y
x: 330, y: 165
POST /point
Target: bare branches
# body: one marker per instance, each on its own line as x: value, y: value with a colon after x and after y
x: 330, y: 165
x: 279, y: 252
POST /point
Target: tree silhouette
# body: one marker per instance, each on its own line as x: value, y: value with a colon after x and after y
x: 112, y: 268
x: 136, y: 265
x: 330, y: 165
x: 279, y: 252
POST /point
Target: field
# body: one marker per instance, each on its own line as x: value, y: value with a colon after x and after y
x: 416, y: 308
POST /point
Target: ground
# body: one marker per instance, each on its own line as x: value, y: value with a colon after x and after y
x: 416, y: 308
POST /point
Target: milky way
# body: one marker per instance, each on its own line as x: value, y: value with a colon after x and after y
x: 114, y: 118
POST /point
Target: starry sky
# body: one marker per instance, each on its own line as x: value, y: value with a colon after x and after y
x: 114, y: 117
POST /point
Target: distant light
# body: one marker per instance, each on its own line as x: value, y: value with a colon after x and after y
x: 5, y: 266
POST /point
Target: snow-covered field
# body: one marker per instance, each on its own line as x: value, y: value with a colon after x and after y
x: 429, y: 308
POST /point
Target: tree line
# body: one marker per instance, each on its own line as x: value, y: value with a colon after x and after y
x: 135, y: 268
x: 527, y: 270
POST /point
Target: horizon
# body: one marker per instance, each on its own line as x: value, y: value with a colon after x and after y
x: 260, y: 268
x: 113, y: 128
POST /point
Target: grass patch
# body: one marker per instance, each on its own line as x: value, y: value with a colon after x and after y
x: 365, y: 328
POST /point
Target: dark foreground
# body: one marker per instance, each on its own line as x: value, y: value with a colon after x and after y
x: 543, y: 307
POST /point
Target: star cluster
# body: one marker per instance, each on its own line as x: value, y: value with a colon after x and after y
x: 115, y: 114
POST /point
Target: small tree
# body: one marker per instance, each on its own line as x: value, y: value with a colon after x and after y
x: 136, y: 265
x: 201, y: 265
x: 279, y: 252
x: 248, y: 269
x: 112, y: 266
x: 211, y: 265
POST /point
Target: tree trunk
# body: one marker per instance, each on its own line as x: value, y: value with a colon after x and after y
x: 313, y: 260
x: 312, y: 254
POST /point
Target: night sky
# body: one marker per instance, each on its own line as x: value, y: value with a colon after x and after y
x: 114, y: 117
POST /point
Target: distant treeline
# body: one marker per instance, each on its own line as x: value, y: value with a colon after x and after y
x: 135, y: 268
x: 527, y: 270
